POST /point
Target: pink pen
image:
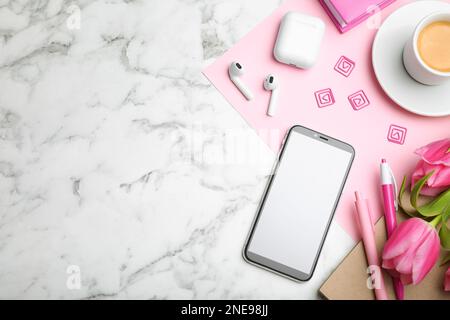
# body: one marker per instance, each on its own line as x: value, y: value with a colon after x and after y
x: 389, y: 191
x: 367, y: 229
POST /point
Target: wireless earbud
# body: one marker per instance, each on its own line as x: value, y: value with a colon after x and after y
x: 235, y: 71
x: 271, y: 84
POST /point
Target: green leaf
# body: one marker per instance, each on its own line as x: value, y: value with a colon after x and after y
x: 418, y: 187
x: 436, y: 206
x: 444, y: 232
x: 400, y: 201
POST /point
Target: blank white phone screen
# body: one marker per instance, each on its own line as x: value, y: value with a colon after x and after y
x: 300, y: 202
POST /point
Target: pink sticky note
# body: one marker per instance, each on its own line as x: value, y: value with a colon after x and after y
x: 366, y: 130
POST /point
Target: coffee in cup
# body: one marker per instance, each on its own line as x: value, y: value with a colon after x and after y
x: 433, y: 44
x: 427, y: 53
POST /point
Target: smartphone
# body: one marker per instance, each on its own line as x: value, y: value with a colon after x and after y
x: 299, y: 202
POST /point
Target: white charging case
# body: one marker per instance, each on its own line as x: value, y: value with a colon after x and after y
x: 299, y: 40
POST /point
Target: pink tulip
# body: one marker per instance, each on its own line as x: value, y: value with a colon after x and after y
x: 411, y: 251
x: 447, y: 280
x: 435, y: 156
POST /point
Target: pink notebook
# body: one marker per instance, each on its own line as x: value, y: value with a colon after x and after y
x: 346, y: 14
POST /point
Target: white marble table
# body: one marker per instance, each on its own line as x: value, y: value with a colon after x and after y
x: 118, y: 177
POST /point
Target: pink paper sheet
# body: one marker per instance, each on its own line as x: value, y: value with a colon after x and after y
x: 357, y: 112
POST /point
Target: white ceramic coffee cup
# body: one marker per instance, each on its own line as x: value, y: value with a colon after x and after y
x: 414, y: 64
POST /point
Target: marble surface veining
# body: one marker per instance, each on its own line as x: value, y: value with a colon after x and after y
x: 118, y: 176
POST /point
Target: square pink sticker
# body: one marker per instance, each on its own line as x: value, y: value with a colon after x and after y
x: 345, y: 66
x: 397, y: 134
x: 358, y: 100
x: 324, y: 98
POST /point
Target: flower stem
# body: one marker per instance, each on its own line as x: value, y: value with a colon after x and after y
x: 435, y: 221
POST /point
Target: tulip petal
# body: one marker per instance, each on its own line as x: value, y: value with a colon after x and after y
x: 406, y: 279
x: 447, y: 280
x: 436, y: 152
x: 388, y: 264
x: 406, y: 234
x: 438, y: 182
x: 404, y: 263
x: 441, y: 177
x: 418, y: 172
x: 432, y: 191
x: 426, y: 256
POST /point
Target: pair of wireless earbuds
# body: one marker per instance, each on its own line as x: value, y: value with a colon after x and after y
x: 236, y: 70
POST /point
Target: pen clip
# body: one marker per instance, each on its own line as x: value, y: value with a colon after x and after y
x: 394, y: 182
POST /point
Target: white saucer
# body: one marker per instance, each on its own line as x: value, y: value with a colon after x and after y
x: 387, y: 51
